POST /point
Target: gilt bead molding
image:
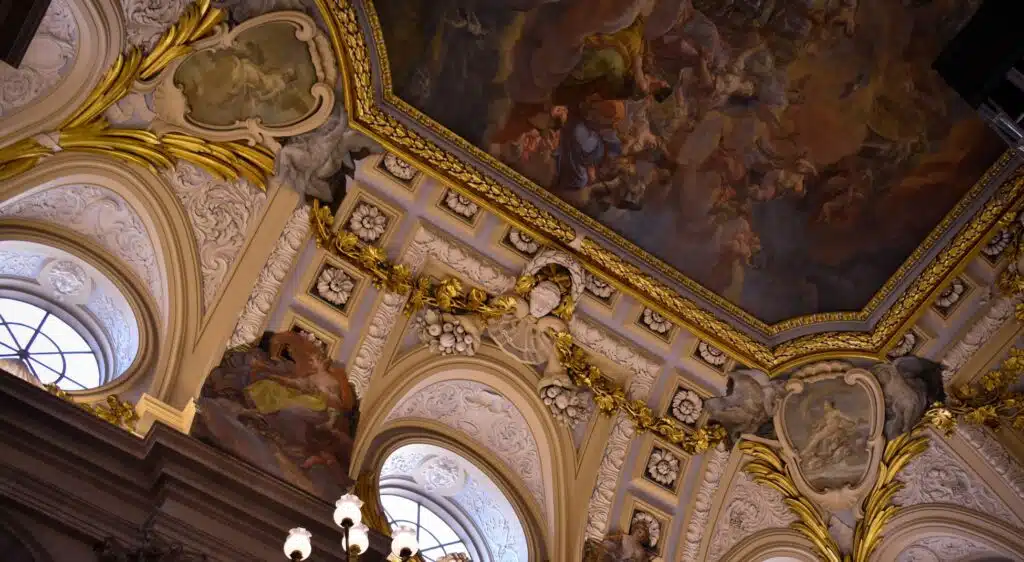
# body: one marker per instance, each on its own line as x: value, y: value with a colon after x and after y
x: 59, y: 72
x: 220, y: 213
x: 268, y: 283
x: 704, y: 501
x: 940, y: 476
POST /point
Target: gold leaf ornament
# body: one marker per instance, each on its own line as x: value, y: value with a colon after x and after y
x: 87, y: 131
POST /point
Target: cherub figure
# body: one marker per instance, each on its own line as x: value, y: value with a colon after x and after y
x: 524, y: 333
x: 621, y: 547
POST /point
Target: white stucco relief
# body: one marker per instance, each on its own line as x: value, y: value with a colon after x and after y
x: 50, y: 57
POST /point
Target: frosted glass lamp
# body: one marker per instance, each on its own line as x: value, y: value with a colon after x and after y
x: 359, y: 537
x: 403, y: 542
x: 348, y: 510
x: 298, y: 546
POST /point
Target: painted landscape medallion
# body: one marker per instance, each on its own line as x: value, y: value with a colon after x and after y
x: 787, y: 155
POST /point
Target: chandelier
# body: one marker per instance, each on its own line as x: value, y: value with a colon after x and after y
x: 355, y: 538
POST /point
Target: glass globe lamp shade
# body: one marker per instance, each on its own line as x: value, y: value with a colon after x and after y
x: 348, y: 507
x: 298, y: 541
x: 359, y: 537
x: 404, y: 538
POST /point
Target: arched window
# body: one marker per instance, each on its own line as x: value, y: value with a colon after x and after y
x: 453, y: 505
x: 52, y: 350
x: 435, y: 537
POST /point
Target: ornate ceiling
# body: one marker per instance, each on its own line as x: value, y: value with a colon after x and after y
x: 322, y: 217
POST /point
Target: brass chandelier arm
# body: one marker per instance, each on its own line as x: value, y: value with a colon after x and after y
x: 87, y: 131
x: 447, y: 295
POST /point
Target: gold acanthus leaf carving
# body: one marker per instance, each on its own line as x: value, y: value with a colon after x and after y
x: 351, y: 44
x: 87, y: 131
x: 447, y: 295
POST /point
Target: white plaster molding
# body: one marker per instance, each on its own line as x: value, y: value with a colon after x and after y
x: 701, y: 513
x: 600, y: 506
x: 145, y: 20
x: 944, y: 549
x: 220, y: 213
x: 995, y: 455
x: 592, y: 336
x: 995, y: 317
x: 940, y: 476
x: 102, y: 216
x: 269, y: 281
x: 426, y: 244
x: 21, y: 264
x: 49, y: 58
x: 748, y: 508
x: 487, y: 417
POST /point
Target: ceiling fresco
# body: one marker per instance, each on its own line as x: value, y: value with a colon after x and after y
x: 788, y: 159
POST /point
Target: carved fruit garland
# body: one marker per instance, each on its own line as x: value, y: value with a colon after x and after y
x: 87, y: 131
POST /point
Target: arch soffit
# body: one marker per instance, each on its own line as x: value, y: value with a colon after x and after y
x: 933, y: 520
x: 169, y: 230
x: 147, y: 355
x: 405, y: 432
x: 101, y: 38
x: 770, y: 544
x: 420, y: 369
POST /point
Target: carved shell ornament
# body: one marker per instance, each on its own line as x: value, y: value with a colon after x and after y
x: 271, y: 76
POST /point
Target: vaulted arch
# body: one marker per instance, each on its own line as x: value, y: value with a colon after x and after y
x: 984, y: 537
x: 419, y: 380
x: 142, y: 237
x: 77, y: 43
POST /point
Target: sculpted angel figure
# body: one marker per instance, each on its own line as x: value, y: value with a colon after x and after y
x: 621, y: 547
x: 524, y: 333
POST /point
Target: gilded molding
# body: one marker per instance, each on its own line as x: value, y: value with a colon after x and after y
x: 358, y: 72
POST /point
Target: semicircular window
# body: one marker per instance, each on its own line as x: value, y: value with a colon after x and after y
x: 436, y: 538
x: 55, y: 352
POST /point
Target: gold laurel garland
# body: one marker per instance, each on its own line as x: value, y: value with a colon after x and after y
x: 115, y: 411
x: 447, y: 295
x: 611, y: 399
x: 87, y: 131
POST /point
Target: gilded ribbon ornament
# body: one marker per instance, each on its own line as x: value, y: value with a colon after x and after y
x: 611, y: 399
x: 447, y: 295
x: 87, y: 131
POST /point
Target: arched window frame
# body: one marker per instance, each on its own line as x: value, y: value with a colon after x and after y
x: 77, y: 320
x: 450, y: 514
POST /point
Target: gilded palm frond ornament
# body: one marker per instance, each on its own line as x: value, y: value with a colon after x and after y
x: 86, y: 130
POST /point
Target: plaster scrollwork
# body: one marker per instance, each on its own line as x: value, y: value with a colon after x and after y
x: 486, y: 417
x: 943, y: 549
x: 270, y: 278
x: 600, y: 505
x: 18, y: 264
x: 747, y: 509
x: 997, y: 315
x: 995, y: 455
x: 102, y: 216
x: 50, y: 56
x: 145, y: 20
x: 939, y: 476
x: 568, y: 404
x: 588, y: 334
x: 124, y: 337
x: 701, y: 513
x: 220, y: 213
